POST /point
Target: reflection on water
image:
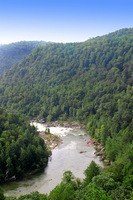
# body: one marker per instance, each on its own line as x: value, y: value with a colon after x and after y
x: 65, y: 157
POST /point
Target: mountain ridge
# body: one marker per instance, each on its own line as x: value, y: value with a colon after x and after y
x: 90, y: 82
x: 14, y: 52
x: 63, y: 63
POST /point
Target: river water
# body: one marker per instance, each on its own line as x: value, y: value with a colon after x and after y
x: 65, y: 157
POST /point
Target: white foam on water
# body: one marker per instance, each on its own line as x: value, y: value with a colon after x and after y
x: 66, y: 157
x: 59, y: 131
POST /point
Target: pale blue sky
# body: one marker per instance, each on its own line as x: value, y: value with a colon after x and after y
x: 62, y: 20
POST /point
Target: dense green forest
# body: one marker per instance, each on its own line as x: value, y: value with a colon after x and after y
x: 98, y: 184
x: 15, y: 52
x: 21, y: 149
x: 91, y: 82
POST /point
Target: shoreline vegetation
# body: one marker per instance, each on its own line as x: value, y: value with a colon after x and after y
x: 53, y: 141
x: 22, y: 151
x: 91, y: 82
x: 50, y: 139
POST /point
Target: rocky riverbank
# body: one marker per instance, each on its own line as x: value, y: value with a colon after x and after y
x: 51, y: 140
x: 73, y: 125
x: 99, y: 151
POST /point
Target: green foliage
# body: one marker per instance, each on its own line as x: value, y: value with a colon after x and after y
x: 90, y: 172
x: 15, y: 52
x: 21, y: 149
x: 116, y: 170
x: 90, y: 192
x: 62, y: 191
x: 33, y: 196
x: 67, y: 177
x: 120, y: 193
x: 1, y: 194
x: 68, y: 190
x: 91, y: 82
x: 78, y: 80
x: 10, y: 198
x: 65, y: 189
x: 131, y: 196
x: 102, y: 187
x: 105, y: 181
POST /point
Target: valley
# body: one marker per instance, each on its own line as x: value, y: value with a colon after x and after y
x: 89, y: 82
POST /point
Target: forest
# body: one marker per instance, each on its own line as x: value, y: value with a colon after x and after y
x: 98, y: 184
x: 21, y: 149
x: 90, y: 82
x: 15, y: 52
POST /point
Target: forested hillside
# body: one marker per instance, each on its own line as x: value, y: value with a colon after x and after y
x: 15, y: 52
x: 21, y: 149
x: 91, y: 82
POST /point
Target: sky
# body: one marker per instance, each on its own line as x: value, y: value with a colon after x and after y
x: 62, y: 20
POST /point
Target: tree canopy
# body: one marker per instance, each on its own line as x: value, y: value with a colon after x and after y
x: 15, y: 52
x: 91, y: 82
x: 21, y: 149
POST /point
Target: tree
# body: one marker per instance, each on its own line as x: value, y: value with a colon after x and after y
x: 33, y: 196
x: 120, y: 193
x: 105, y: 181
x: 90, y: 172
x: 91, y: 192
x: 65, y: 190
x: 67, y: 177
x: 1, y: 194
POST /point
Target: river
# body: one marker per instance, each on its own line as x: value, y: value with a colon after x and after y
x: 67, y: 156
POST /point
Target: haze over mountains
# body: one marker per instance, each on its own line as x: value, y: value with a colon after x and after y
x: 15, y: 52
x: 57, y: 78
x: 91, y: 82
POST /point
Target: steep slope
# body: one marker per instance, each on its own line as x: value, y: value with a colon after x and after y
x: 91, y: 82
x: 21, y: 149
x: 15, y: 52
x: 66, y: 78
